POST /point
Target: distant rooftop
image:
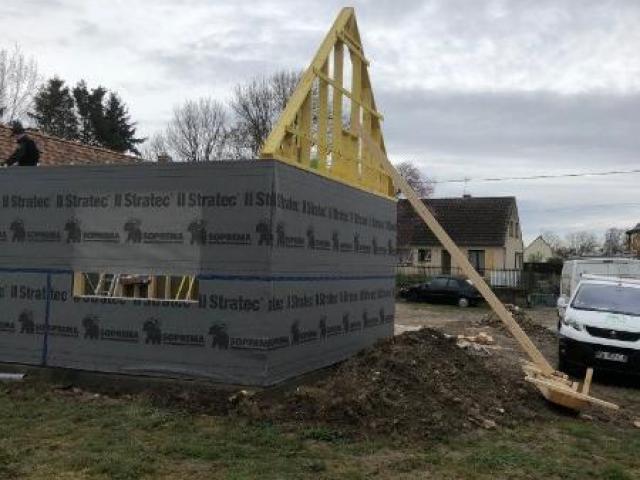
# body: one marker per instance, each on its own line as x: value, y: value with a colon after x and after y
x: 57, y: 151
x: 469, y: 221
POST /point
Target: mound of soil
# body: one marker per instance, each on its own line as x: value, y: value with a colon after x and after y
x: 529, y: 326
x: 418, y: 384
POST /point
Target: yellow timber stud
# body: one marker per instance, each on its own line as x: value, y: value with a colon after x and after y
x: 316, y: 132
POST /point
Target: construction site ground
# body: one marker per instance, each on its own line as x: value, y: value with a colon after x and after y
x: 426, y: 404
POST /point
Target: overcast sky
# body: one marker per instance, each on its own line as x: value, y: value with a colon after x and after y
x: 469, y: 88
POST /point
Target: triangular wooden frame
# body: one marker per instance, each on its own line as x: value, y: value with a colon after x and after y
x: 305, y: 134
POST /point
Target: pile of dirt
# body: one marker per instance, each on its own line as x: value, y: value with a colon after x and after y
x: 520, y: 316
x: 418, y: 384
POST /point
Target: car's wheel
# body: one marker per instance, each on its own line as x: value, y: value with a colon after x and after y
x: 412, y: 297
x: 463, y: 302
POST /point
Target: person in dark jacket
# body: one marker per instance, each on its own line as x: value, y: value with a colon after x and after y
x: 26, y: 154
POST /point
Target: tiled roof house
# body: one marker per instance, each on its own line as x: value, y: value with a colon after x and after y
x: 56, y: 151
x: 486, y: 228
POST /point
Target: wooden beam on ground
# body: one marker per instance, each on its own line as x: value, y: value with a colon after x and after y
x: 566, y: 396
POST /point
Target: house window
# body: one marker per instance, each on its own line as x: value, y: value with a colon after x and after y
x: 133, y: 286
x: 518, y: 261
x: 476, y: 257
x: 424, y: 255
x: 517, y: 232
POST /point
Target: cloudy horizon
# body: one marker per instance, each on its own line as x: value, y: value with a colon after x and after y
x: 469, y: 88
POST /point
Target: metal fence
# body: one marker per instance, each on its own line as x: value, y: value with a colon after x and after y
x: 408, y: 274
x: 535, y: 284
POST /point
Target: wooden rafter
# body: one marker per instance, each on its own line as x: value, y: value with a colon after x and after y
x: 316, y: 133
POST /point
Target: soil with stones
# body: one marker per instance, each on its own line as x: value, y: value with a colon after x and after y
x: 418, y: 384
x: 532, y: 328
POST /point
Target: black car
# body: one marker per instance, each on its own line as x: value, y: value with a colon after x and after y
x: 444, y: 289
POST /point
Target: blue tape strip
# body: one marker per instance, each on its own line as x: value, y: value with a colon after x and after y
x: 229, y: 277
x: 286, y: 278
x: 53, y: 271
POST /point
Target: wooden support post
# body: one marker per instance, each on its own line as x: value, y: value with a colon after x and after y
x: 337, y: 163
x: 118, y: 288
x: 461, y: 260
x: 183, y: 283
x: 356, y: 94
x: 152, y: 289
x: 192, y: 282
x: 587, y: 381
x: 167, y: 287
x: 305, y: 129
x: 79, y: 283
x: 369, y: 172
x: 100, y: 285
x: 323, y: 117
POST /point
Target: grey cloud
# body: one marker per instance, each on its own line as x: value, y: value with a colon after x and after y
x: 234, y: 58
x: 468, y: 87
x: 540, y: 127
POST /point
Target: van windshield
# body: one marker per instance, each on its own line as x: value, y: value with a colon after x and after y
x: 608, y: 298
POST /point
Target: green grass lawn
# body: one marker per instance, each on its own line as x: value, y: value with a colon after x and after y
x: 47, y: 434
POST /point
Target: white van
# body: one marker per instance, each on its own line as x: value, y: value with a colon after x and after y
x: 600, y: 325
x: 572, y: 271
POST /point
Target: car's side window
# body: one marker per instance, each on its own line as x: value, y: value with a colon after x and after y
x: 453, y: 283
x: 439, y: 282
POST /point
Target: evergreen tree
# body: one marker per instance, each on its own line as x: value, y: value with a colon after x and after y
x: 81, y: 96
x: 54, y: 110
x: 119, y: 133
x: 96, y: 115
x: 90, y: 111
x: 92, y: 116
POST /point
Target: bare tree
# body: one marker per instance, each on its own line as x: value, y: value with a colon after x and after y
x: 257, y: 106
x: 614, y: 241
x: 582, y: 243
x: 283, y: 84
x: 18, y: 83
x: 155, y: 147
x: 422, y: 186
x: 197, y: 132
x: 553, y: 239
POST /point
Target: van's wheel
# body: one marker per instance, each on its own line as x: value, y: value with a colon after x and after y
x: 562, y: 364
x: 463, y: 302
x: 568, y: 368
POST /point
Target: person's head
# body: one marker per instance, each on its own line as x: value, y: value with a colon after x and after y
x: 17, y: 130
